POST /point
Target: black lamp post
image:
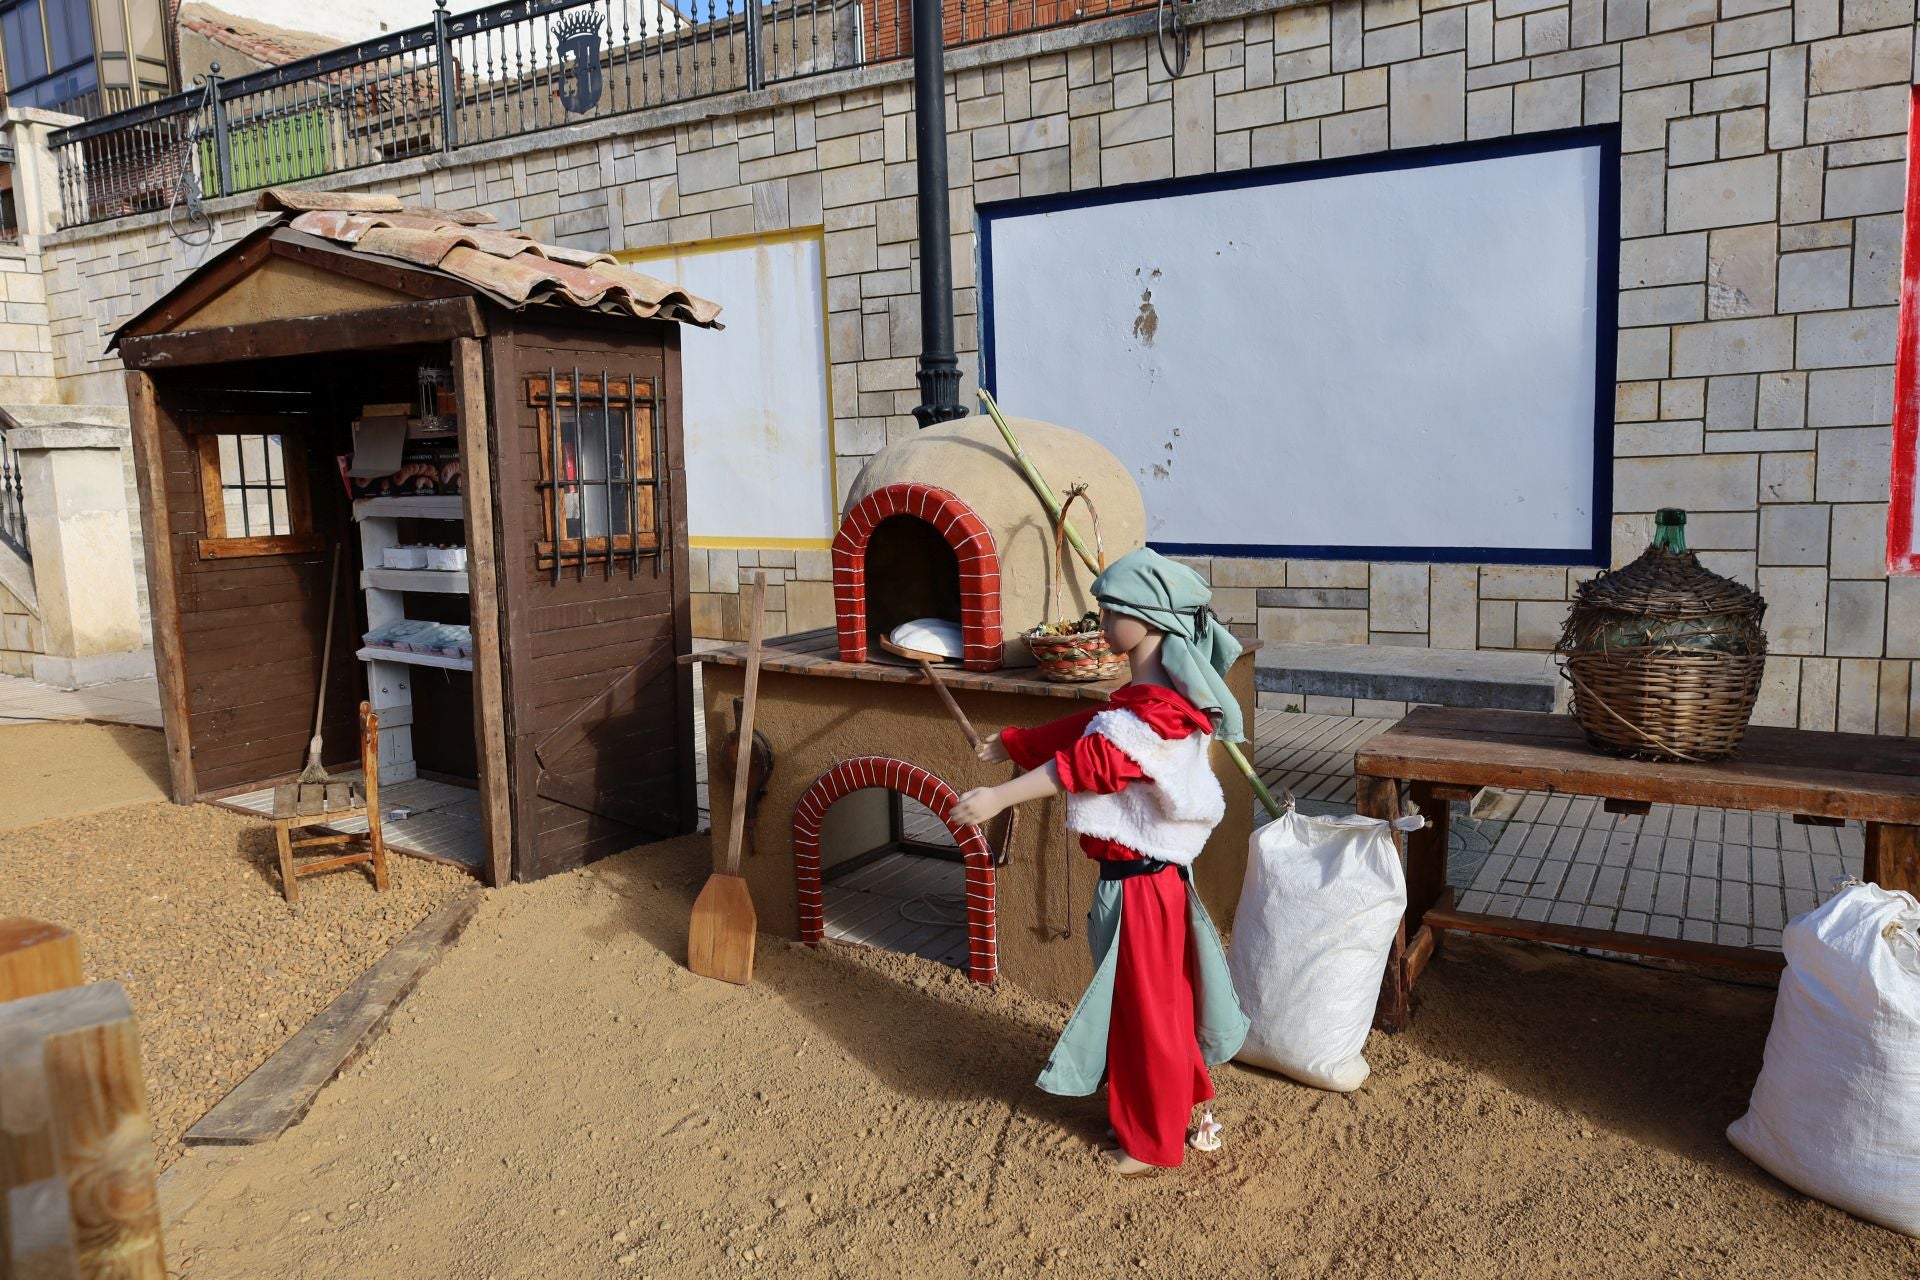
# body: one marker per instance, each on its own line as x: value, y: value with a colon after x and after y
x: 939, y: 371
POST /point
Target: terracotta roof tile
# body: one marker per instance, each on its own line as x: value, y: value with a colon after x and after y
x: 510, y: 266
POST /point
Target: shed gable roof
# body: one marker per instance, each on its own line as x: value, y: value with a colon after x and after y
x: 408, y: 251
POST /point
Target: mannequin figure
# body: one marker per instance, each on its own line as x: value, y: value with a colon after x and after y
x: 1142, y: 797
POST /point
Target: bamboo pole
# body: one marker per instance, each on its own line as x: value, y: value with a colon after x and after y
x: 1052, y: 504
x: 1039, y: 483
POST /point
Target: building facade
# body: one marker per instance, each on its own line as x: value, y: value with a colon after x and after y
x: 1761, y: 213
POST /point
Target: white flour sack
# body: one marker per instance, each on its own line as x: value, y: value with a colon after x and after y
x: 1836, y: 1111
x: 1318, y: 911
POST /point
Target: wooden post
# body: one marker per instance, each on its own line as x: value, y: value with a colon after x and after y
x: 1893, y: 856
x: 1426, y: 853
x: 77, y: 1173
x: 489, y: 694
x: 36, y: 957
x: 1380, y: 798
x: 163, y: 588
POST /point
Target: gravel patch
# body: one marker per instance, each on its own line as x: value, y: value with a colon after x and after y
x: 182, y: 906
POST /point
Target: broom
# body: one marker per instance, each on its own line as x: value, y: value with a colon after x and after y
x: 314, y: 773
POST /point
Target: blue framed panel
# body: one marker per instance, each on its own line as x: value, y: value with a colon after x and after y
x: 1602, y: 301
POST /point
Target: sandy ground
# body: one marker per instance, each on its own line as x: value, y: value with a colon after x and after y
x: 72, y: 767
x: 561, y: 1098
x: 182, y: 906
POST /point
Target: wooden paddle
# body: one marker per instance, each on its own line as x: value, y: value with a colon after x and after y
x: 720, y: 935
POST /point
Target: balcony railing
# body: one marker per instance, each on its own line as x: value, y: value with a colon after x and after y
x: 511, y: 69
x: 13, y: 512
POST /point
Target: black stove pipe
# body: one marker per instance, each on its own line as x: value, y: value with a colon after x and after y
x: 939, y: 371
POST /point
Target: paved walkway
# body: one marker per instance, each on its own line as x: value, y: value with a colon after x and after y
x: 134, y: 702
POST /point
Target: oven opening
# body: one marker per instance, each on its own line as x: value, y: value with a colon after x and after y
x: 911, y: 573
x: 893, y: 877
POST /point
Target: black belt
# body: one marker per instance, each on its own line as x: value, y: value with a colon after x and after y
x: 1127, y: 868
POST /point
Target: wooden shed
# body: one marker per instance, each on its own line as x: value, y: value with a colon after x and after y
x: 511, y: 598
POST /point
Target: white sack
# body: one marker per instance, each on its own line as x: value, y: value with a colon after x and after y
x: 1836, y: 1111
x: 1318, y: 911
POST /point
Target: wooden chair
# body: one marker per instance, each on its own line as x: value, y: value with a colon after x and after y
x: 298, y: 805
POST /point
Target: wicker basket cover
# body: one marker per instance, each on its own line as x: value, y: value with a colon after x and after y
x: 1665, y: 658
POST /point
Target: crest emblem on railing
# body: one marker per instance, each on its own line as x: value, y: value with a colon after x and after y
x: 576, y: 46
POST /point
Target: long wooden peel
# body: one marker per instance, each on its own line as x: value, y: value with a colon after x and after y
x: 1012, y: 827
x: 720, y: 935
x: 1052, y: 504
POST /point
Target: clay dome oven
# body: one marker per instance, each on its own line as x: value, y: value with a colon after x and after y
x: 943, y: 525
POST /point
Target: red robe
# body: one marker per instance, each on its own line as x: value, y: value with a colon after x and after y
x: 1155, y: 1074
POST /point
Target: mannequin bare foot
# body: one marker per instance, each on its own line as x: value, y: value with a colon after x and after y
x: 1125, y: 1165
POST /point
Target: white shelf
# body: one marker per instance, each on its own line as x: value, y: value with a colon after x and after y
x: 439, y: 506
x: 375, y: 653
x: 451, y: 582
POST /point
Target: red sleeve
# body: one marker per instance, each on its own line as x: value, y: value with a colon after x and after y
x: 1031, y: 748
x: 1094, y: 764
x: 1084, y: 763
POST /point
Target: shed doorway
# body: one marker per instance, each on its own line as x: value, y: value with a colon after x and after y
x: 276, y: 443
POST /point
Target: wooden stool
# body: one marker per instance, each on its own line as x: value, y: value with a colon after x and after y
x: 313, y: 804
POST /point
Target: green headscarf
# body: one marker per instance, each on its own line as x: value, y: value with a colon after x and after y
x: 1198, y: 648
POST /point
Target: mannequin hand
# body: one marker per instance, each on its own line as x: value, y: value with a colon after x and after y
x: 991, y: 751
x: 977, y: 806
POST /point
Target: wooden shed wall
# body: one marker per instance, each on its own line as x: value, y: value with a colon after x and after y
x: 250, y: 628
x: 570, y: 644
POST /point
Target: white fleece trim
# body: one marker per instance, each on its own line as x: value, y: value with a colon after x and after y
x: 1170, y: 813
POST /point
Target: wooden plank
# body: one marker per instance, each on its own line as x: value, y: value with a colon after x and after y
x: 77, y: 1174
x: 282, y: 1089
x: 795, y: 655
x: 1893, y: 857
x: 1714, y: 954
x: 163, y: 588
x: 36, y: 957
x: 403, y: 324
x: 285, y: 544
x: 1796, y: 771
x: 483, y: 593
x: 1420, y: 950
x: 1763, y: 745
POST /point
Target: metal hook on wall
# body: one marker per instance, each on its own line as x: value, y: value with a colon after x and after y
x: 1171, y: 29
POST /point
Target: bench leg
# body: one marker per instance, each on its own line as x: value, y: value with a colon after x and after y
x: 289, y: 882
x: 1380, y: 798
x: 1893, y: 856
x: 1426, y: 853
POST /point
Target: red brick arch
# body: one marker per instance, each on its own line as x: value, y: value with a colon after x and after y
x: 913, y: 781
x: 980, y: 634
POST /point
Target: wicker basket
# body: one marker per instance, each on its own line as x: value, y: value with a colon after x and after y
x: 1665, y: 657
x: 1080, y: 656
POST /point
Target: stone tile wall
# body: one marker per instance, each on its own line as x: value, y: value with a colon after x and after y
x: 1762, y: 182
x: 19, y: 636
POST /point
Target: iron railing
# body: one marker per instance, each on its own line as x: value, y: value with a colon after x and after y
x: 516, y: 67
x: 13, y: 510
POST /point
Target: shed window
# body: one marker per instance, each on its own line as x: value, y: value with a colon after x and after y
x: 597, y: 437
x: 254, y: 489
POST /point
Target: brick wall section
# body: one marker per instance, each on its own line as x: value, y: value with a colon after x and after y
x: 1761, y: 182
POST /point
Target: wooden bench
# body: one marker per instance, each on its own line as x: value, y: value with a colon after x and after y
x: 1439, y: 754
